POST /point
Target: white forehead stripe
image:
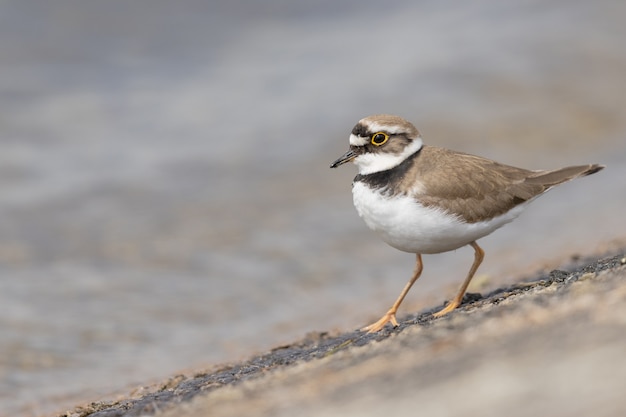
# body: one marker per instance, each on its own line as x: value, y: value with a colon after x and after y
x: 358, y: 140
x: 390, y: 129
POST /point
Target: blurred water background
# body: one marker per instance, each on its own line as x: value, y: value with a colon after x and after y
x: 165, y: 197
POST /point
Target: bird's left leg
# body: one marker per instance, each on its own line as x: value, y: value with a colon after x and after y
x: 390, y: 316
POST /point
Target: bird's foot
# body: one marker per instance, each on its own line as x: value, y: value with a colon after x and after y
x: 389, y: 317
x: 451, y: 306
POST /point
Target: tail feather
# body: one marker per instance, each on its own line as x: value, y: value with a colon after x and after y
x: 551, y: 178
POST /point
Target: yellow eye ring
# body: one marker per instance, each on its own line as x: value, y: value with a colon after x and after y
x: 379, y: 138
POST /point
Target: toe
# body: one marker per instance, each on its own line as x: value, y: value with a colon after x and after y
x: 377, y: 326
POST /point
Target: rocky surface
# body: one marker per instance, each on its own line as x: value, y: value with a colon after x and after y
x: 553, y: 345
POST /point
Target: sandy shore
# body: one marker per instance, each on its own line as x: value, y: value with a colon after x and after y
x: 553, y: 345
x: 167, y: 203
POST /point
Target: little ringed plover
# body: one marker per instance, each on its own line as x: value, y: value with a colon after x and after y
x: 423, y: 199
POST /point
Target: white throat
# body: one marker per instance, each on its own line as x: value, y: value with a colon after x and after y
x: 368, y: 163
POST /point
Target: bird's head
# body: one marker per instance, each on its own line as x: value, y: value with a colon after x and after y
x: 380, y: 142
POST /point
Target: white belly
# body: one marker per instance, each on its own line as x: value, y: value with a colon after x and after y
x: 408, y: 226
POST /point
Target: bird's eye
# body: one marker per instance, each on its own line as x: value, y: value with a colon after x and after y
x: 379, y: 138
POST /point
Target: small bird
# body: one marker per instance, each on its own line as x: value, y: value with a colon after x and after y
x: 424, y: 199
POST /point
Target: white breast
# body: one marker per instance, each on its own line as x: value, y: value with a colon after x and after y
x: 408, y: 226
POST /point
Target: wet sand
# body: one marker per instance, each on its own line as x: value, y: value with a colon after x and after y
x: 553, y: 344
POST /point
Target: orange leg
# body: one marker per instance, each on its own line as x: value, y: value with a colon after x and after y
x: 390, y: 316
x: 479, y: 254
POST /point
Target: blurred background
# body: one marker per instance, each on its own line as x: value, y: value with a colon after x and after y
x: 165, y: 197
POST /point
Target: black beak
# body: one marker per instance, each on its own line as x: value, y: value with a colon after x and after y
x: 346, y: 157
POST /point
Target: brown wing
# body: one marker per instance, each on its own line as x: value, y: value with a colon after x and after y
x: 477, y: 188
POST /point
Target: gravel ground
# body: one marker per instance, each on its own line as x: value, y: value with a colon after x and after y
x: 553, y: 345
